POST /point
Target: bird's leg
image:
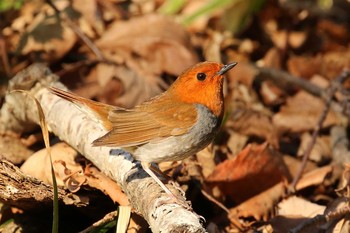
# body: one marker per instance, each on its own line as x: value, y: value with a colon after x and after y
x: 146, y: 166
x: 154, y: 167
x: 173, y: 199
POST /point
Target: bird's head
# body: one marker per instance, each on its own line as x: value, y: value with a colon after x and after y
x: 202, y: 84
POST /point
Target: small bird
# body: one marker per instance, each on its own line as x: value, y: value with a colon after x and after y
x: 169, y: 127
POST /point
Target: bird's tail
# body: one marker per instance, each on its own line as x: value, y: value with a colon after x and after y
x: 96, y: 110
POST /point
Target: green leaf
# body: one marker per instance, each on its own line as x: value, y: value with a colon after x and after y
x: 171, y: 7
x: 208, y: 9
x: 10, y: 4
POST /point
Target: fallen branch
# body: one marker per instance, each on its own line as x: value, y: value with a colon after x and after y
x: 321, y: 219
x: 26, y: 193
x: 286, y: 81
x: 78, y: 130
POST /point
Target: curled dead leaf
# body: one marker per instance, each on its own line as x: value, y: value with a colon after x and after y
x: 253, y: 170
x: 260, y: 206
x: 301, y: 113
x: 73, y: 179
x: 344, y: 190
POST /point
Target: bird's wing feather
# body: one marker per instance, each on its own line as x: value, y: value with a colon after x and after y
x: 148, y: 122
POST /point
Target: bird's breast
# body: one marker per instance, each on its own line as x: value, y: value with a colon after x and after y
x: 179, y: 147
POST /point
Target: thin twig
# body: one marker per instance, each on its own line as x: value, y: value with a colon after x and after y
x: 79, y: 32
x: 4, y: 58
x: 212, y: 199
x: 334, y: 87
x: 107, y: 218
x: 321, y: 219
x: 289, y: 82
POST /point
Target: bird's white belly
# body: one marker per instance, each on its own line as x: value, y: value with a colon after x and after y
x: 180, y: 147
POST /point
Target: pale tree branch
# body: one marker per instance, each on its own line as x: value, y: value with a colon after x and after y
x: 78, y: 130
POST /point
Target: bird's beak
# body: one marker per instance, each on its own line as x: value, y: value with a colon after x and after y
x: 226, y: 68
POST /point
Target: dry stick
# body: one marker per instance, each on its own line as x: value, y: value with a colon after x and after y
x: 335, y: 86
x: 107, y: 218
x: 25, y: 192
x: 286, y: 81
x: 4, y: 58
x: 79, y: 33
x: 321, y: 219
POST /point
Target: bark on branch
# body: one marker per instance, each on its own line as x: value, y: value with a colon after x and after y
x: 24, y: 192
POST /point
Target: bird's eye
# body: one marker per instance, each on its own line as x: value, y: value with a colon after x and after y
x: 201, y: 76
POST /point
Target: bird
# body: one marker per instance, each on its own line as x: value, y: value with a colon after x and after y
x: 171, y: 126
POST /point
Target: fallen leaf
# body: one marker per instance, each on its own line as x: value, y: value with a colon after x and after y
x: 73, y: 180
x: 47, y: 34
x: 13, y: 149
x: 127, y: 43
x: 91, y: 17
x: 302, y: 112
x: 294, y: 164
x: 314, y: 177
x: 249, y: 117
x: 321, y: 151
x: 328, y: 65
x: 344, y: 190
x: 38, y: 165
x: 299, y: 207
x: 253, y: 170
x: 260, y: 206
x: 98, y: 180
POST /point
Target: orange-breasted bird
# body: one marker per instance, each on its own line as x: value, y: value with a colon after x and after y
x: 169, y: 127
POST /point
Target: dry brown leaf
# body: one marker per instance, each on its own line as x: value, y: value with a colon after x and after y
x: 69, y: 173
x: 314, y: 177
x: 301, y: 113
x: 344, y: 190
x: 48, y: 35
x: 206, y: 160
x: 235, y: 143
x: 343, y: 226
x: 328, y: 65
x: 273, y: 58
x: 98, y: 180
x: 294, y: 164
x: 298, y: 213
x: 321, y: 151
x: 272, y: 95
x: 260, y: 206
x: 13, y: 149
x: 127, y: 42
x: 304, y: 66
x: 248, y: 115
x: 91, y: 19
x: 253, y: 123
x: 73, y: 180
x: 299, y: 207
x: 38, y: 165
x: 244, y: 75
x: 253, y: 170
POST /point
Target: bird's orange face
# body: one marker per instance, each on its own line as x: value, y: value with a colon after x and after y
x: 201, y: 84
